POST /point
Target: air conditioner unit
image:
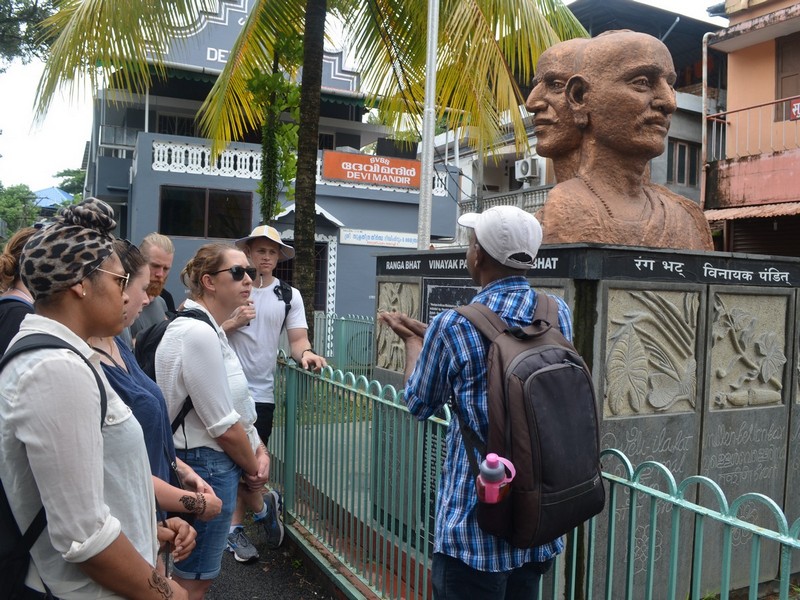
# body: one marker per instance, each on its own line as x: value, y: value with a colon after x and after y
x: 526, y: 169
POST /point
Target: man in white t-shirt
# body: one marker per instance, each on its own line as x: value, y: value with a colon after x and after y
x: 253, y: 331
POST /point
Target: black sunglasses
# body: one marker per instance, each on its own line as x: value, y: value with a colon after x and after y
x: 238, y: 272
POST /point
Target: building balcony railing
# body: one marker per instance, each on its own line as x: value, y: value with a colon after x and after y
x: 528, y: 199
x: 186, y: 157
x: 760, y: 129
x: 175, y: 157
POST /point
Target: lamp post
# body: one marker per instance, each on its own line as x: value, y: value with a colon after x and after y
x: 428, y: 129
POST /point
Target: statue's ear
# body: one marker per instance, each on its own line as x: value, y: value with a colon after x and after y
x: 576, y: 89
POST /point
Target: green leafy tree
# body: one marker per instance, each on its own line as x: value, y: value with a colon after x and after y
x: 19, y: 33
x: 72, y: 181
x: 484, y: 46
x: 18, y: 207
x: 277, y: 94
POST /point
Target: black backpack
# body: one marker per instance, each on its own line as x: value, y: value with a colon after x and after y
x: 15, y: 546
x: 147, y: 342
x: 543, y: 418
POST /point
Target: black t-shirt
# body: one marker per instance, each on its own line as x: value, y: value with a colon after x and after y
x: 12, y: 311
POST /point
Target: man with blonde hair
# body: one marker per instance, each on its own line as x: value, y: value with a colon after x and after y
x: 253, y: 331
x: 159, y: 251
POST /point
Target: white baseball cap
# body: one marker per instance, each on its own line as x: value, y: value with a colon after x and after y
x: 271, y: 234
x: 509, y: 234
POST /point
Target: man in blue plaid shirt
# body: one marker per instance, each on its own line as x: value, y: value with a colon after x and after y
x: 448, y: 358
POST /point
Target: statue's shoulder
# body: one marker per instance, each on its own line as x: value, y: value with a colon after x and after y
x: 568, y: 213
x: 682, y: 202
x: 569, y: 194
x: 684, y: 214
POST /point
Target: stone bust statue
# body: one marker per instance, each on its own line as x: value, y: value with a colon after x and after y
x: 619, y: 96
x: 557, y: 136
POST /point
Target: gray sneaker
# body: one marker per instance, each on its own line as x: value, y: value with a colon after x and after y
x: 242, y: 549
x: 272, y: 522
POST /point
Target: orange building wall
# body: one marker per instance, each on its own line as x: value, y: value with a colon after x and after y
x: 752, y: 129
x: 751, y: 75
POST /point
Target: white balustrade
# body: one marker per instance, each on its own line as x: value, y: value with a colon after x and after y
x: 174, y: 157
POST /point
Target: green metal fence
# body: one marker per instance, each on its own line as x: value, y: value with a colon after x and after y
x: 345, y: 341
x: 359, y: 478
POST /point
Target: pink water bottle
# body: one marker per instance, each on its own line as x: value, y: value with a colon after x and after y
x: 493, y: 482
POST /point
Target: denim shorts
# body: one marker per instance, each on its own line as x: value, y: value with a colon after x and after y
x: 222, y: 474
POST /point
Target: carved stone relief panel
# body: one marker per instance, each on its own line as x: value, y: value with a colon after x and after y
x: 651, y: 341
x: 401, y: 297
x: 748, y: 356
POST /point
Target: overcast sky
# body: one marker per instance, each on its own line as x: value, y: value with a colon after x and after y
x: 34, y: 154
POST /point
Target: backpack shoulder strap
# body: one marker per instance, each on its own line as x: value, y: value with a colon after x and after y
x: 187, y: 406
x: 546, y: 309
x: 483, y: 318
x: 194, y: 313
x: 284, y: 291
x: 472, y: 442
x: 45, y: 340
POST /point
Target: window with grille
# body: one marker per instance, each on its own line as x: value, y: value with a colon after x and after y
x: 327, y: 141
x: 683, y: 163
x: 285, y: 271
x: 202, y: 212
x: 177, y: 125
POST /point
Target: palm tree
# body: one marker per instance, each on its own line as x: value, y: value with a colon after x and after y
x: 307, y: 142
x: 485, y: 46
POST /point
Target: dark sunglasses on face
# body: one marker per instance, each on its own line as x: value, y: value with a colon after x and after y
x: 238, y: 272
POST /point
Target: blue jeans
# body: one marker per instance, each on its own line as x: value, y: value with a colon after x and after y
x: 455, y: 580
x: 222, y: 474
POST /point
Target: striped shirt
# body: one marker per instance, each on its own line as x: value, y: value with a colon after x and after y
x: 453, y: 361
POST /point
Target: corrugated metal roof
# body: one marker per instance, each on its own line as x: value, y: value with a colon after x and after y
x: 685, y: 39
x: 762, y: 211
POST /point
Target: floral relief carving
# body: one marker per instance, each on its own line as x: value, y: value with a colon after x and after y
x: 400, y: 297
x: 651, y: 366
x: 752, y: 374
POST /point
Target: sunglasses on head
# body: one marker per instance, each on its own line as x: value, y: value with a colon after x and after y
x: 238, y: 272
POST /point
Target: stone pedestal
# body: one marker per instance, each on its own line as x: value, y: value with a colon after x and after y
x: 693, y: 360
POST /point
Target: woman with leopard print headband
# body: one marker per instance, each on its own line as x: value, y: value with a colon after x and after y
x: 94, y: 482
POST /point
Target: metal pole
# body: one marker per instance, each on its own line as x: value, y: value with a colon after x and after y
x: 704, y: 119
x: 428, y: 127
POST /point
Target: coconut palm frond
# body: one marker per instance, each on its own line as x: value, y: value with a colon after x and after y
x: 228, y: 111
x: 562, y: 21
x: 98, y: 39
x: 389, y: 35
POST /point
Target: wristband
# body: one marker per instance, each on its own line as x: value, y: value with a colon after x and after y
x: 306, y: 350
